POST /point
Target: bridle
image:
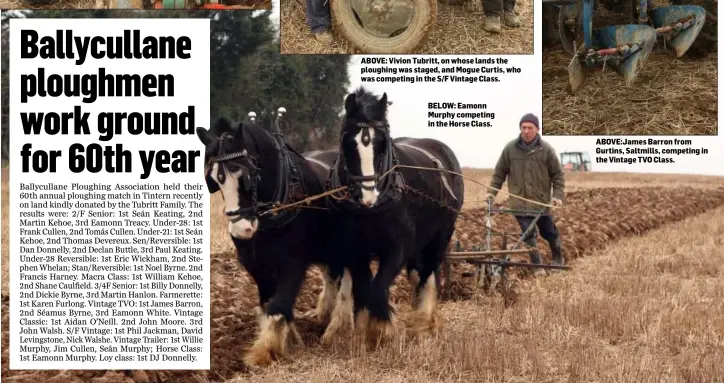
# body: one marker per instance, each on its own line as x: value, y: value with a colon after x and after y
x: 356, y: 182
x: 249, y: 180
x: 288, y: 177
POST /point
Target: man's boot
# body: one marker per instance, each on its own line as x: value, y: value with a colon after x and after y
x: 535, y: 258
x: 324, y: 36
x: 557, y: 253
x: 492, y: 24
x: 511, y: 19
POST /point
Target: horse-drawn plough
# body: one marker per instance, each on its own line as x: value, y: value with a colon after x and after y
x: 491, y: 264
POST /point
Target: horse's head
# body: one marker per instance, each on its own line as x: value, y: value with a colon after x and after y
x: 364, y: 143
x: 230, y: 166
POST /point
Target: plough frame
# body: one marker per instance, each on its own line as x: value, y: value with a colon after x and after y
x: 486, y: 261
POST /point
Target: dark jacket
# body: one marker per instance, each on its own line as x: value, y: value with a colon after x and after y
x: 531, y: 171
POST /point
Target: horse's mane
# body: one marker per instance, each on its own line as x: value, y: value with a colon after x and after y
x: 253, y: 131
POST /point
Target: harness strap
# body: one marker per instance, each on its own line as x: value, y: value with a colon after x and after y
x: 437, y: 163
x: 318, y: 162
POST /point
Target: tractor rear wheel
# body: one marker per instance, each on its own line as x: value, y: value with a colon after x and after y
x: 385, y: 27
x: 706, y: 42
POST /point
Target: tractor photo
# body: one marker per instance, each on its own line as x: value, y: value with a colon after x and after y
x: 384, y: 26
x: 681, y: 26
x: 574, y: 161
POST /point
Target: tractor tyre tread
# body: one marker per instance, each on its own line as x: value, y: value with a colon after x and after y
x: 408, y: 41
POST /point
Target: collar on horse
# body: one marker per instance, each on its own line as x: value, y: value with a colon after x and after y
x: 390, y: 186
x: 288, y: 180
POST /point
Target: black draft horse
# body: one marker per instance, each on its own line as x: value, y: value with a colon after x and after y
x: 251, y: 167
x: 405, y: 217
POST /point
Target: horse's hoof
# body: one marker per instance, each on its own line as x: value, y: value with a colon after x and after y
x: 259, y: 357
x: 271, y: 342
x: 419, y: 323
x: 327, y: 338
x: 381, y: 330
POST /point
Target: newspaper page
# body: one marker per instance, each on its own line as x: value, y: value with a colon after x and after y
x: 385, y: 190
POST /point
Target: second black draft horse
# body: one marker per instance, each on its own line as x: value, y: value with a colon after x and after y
x: 402, y: 216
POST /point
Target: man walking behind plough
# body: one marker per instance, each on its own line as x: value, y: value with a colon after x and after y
x: 532, y: 169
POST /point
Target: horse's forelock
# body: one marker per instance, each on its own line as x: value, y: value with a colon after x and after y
x: 367, y: 104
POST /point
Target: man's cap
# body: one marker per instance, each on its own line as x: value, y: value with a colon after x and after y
x: 530, y: 117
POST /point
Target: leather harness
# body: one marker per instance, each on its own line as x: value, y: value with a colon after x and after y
x: 437, y: 163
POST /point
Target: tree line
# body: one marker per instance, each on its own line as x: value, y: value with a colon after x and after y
x: 247, y: 73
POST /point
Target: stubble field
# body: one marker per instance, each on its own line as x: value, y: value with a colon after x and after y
x: 643, y: 302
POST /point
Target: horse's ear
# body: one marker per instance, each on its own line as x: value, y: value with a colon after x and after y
x: 350, y: 104
x: 223, y: 126
x: 383, y: 101
x: 204, y: 135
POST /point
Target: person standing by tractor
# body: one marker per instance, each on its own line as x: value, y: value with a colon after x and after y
x: 494, y: 10
x: 319, y: 19
x: 532, y: 168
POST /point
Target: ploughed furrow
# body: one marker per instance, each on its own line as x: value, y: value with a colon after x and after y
x: 589, y: 220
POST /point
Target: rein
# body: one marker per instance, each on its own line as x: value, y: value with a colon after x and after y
x: 331, y: 193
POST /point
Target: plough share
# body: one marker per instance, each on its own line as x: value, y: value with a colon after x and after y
x: 625, y: 48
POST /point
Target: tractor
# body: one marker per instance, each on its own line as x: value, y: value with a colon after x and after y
x: 575, y: 161
x: 683, y: 26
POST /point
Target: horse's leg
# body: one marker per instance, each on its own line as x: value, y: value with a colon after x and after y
x: 266, y: 291
x: 325, y: 303
x: 343, y: 310
x: 413, y: 278
x: 382, y: 321
x: 361, y: 279
x: 425, y: 317
x: 276, y: 322
x: 265, y: 287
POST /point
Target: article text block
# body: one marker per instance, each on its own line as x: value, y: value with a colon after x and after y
x: 109, y: 251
